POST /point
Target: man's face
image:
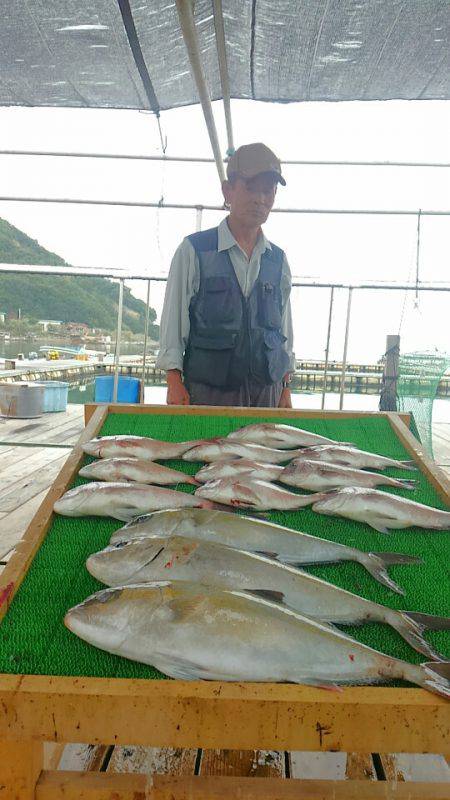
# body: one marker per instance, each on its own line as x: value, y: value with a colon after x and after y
x: 251, y: 199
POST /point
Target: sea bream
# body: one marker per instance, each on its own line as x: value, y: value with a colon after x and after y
x: 142, y: 447
x: 226, y: 449
x: 121, y: 500
x: 192, y: 633
x: 182, y: 559
x: 244, y: 492
x: 380, y: 510
x: 258, y: 536
x: 317, y: 476
x: 274, y: 434
x: 134, y: 469
x: 352, y: 457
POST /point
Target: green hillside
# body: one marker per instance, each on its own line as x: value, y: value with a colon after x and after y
x: 70, y: 299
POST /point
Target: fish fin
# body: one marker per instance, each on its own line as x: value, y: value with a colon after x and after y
x: 377, y: 563
x: 381, y: 524
x: 267, y: 554
x: 247, y: 491
x: 179, y: 668
x: 406, y: 484
x: 408, y: 465
x: 429, y: 621
x: 322, y: 684
x: 124, y: 513
x: 436, y: 677
x: 268, y: 594
x: 411, y: 627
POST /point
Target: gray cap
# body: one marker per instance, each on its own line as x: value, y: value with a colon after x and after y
x: 254, y: 159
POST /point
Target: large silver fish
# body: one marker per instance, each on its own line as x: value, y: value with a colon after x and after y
x: 352, y: 457
x: 136, y: 447
x: 380, y: 510
x: 194, y: 632
x: 258, y: 536
x: 317, y: 476
x: 121, y: 500
x: 274, y: 434
x: 225, y: 449
x: 133, y: 469
x: 182, y: 559
x: 232, y: 467
x: 243, y: 492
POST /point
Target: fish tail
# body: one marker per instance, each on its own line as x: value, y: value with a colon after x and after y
x: 377, y: 563
x: 435, y: 677
x: 407, y: 465
x: 403, y: 483
x: 411, y: 626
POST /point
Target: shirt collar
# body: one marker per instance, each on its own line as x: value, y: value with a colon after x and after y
x: 226, y: 240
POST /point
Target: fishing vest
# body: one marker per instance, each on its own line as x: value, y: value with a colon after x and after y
x: 232, y: 337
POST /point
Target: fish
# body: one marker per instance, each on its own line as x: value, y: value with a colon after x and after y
x: 380, y: 510
x: 122, y: 501
x: 229, y: 468
x: 191, y: 632
x: 133, y: 469
x: 142, y: 447
x: 352, y: 457
x: 320, y: 475
x: 258, y: 536
x: 244, y: 492
x: 224, y: 449
x: 180, y: 558
x: 274, y: 434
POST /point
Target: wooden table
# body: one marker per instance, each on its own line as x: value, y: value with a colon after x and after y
x: 38, y: 709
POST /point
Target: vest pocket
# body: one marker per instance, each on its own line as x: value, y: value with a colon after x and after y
x: 210, y: 358
x: 218, y: 305
x: 269, y: 305
x: 276, y: 355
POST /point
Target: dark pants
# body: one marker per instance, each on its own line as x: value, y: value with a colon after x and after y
x: 249, y: 394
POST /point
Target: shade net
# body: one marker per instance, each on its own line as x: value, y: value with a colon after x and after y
x: 418, y: 381
x: 82, y: 54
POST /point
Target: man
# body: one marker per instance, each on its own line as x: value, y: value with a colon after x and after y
x: 226, y: 327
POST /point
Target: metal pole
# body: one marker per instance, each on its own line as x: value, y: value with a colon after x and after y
x: 344, y: 357
x: 223, y: 69
x: 198, y: 218
x: 418, y: 255
x: 327, y: 349
x: 188, y: 29
x: 118, y: 339
x: 144, y: 355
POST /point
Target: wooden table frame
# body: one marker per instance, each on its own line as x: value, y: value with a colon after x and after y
x: 36, y: 709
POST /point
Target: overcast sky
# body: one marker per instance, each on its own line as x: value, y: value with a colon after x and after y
x: 323, y: 247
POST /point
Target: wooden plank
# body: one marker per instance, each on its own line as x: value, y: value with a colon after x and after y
x: 360, y: 767
x: 317, y: 766
x: 52, y: 755
x: 20, y: 767
x: 435, y: 476
x: 83, y: 757
x: 153, y: 760
x: 19, y: 461
x: 235, y: 411
x: 417, y: 767
x: 15, y: 572
x: 243, y: 763
x: 15, y: 524
x: 222, y: 715
x: 18, y: 493
x: 107, y: 786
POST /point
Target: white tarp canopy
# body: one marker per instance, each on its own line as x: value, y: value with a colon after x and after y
x: 131, y: 53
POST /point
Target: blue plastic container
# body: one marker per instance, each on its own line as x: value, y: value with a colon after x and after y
x: 127, y: 389
x: 55, y: 395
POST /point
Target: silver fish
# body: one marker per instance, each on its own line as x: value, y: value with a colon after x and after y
x: 274, y: 434
x: 317, y: 476
x: 380, y: 510
x: 352, y: 457
x: 133, y: 469
x: 229, y: 468
x: 121, y: 500
x: 183, y: 559
x: 225, y: 449
x: 195, y: 632
x: 136, y: 447
x: 244, y: 492
x: 258, y: 536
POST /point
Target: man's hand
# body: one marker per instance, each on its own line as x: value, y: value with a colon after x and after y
x: 177, y: 394
x: 285, y: 399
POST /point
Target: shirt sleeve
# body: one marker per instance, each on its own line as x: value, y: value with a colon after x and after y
x: 286, y: 318
x: 182, y: 284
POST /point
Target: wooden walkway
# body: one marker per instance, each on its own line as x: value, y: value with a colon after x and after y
x: 31, y: 454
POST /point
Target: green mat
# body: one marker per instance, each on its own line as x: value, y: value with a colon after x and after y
x: 34, y: 640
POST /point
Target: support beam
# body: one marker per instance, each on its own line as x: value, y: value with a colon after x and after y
x: 344, y: 357
x: 187, y: 22
x: 388, y: 397
x: 327, y: 348
x: 118, y: 340
x: 144, y: 354
x: 223, y: 70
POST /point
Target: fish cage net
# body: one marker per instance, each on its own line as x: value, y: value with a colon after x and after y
x: 418, y: 380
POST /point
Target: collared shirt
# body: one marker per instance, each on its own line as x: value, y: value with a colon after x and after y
x: 184, y: 281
